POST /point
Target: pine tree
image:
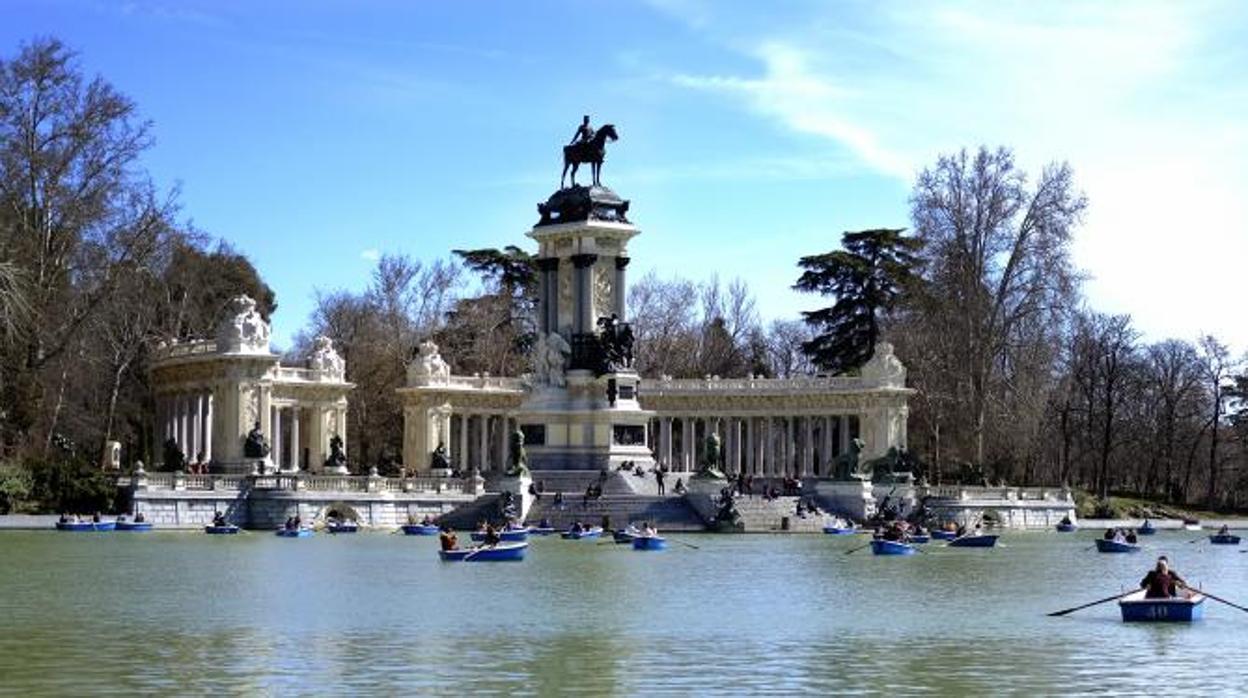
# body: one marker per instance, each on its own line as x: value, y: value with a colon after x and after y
x: 867, y: 276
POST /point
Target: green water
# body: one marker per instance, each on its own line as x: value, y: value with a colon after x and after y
x: 188, y: 613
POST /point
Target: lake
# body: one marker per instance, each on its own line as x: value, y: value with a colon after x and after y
x: 189, y: 613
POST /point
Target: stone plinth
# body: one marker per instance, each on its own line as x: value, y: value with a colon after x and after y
x: 851, y: 498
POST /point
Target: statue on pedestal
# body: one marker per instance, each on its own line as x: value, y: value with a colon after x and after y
x: 174, y: 458
x: 438, y: 459
x: 846, y: 467
x: 337, y: 458
x: 587, y: 146
x: 617, y: 342
x: 710, y: 461
x: 255, y: 446
x: 517, y: 460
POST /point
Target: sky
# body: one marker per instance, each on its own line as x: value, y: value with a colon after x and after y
x: 315, y: 136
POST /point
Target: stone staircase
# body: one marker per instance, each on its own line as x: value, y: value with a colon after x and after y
x: 765, y: 515
x: 667, y: 513
x: 467, y: 516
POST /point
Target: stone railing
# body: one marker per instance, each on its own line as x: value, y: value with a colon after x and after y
x: 181, y: 350
x: 474, y: 382
x: 306, y: 482
x: 980, y: 493
x: 757, y: 386
x: 292, y: 374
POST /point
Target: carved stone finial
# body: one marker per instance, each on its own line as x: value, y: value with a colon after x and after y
x: 885, y: 367
x: 325, y: 359
x: 427, y: 367
x: 243, y: 330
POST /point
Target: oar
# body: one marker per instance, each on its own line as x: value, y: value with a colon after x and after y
x: 861, y: 547
x: 1094, y: 603
x: 687, y: 545
x: 1217, y: 598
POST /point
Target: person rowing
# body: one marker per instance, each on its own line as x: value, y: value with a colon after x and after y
x: 1161, y: 582
x: 1224, y: 531
x: 491, y: 537
x: 1065, y: 521
x: 448, y: 539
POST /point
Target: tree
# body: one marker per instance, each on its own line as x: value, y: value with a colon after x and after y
x: 1216, y: 368
x: 867, y: 276
x: 996, y: 255
x: 492, y: 332
x: 75, y: 210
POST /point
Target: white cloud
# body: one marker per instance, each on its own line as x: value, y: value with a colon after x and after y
x: 1128, y: 93
x: 372, y: 254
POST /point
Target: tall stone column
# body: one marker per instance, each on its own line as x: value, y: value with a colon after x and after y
x: 208, y: 427
x: 808, y: 446
x: 184, y: 423
x: 584, y: 264
x: 620, y: 288
x: 750, y: 445
x: 665, y: 441
x: 295, y: 451
x: 504, y: 441
x: 266, y: 418
x: 844, y: 448
x: 275, y: 440
x: 464, y: 420
x: 483, y: 443
x: 548, y: 267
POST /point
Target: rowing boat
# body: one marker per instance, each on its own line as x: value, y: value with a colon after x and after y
x: 224, y: 530
x: 1067, y: 528
x: 1113, y: 546
x: 541, y: 530
x: 294, y: 533
x: 890, y: 547
x: 511, y: 536
x: 839, y: 530
x: 944, y: 535
x: 980, y: 541
x: 1224, y: 539
x: 1136, y: 608
x: 649, y: 543
x: 591, y: 532
x: 134, y: 526
x: 625, y: 535
x: 420, y: 530
x: 342, y: 527
x: 498, y: 553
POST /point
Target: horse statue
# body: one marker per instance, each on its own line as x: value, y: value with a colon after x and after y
x: 592, y: 152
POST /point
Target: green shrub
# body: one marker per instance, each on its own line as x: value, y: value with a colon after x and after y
x: 70, y: 485
x: 16, y: 486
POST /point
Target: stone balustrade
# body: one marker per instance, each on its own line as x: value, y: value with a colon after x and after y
x: 473, y: 382
x: 758, y: 386
x: 294, y: 482
x: 981, y: 493
x: 179, y: 350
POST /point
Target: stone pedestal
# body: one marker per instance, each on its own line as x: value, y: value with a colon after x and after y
x: 591, y: 423
x: 519, y: 486
x: 850, y: 498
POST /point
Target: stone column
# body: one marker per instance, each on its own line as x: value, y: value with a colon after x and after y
x: 342, y: 427
x: 686, y: 443
x: 275, y: 440
x: 808, y: 446
x: 445, y: 433
x: 483, y: 443
x: 266, y: 423
x: 295, y: 451
x: 184, y: 426
x: 504, y: 441
x: 197, y: 422
x: 584, y: 264
x: 844, y: 447
x: 750, y: 445
x: 665, y: 441
x: 208, y: 428
x: 620, y: 290
x: 549, y: 311
x: 464, y: 421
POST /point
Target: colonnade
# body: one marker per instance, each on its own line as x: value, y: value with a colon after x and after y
x: 769, y: 446
x: 186, y: 417
x: 480, y: 440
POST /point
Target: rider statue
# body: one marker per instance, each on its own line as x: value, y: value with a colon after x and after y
x: 584, y: 132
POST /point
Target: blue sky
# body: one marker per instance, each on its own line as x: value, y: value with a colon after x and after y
x: 315, y: 135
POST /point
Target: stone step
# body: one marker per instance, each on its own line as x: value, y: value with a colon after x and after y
x: 672, y: 513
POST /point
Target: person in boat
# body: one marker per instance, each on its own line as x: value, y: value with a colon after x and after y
x: 290, y: 523
x: 427, y: 521
x: 648, y: 531
x: 140, y: 518
x: 1110, y: 534
x: 64, y: 518
x: 1119, y: 536
x: 1224, y: 531
x: 559, y: 501
x: 1131, y: 537
x: 577, y: 527
x: 448, y: 539
x: 1162, y: 582
x: 1065, y: 521
x: 801, y: 510
x: 218, y: 519
x: 680, y: 486
x: 491, y: 538
x: 298, y: 522
x: 95, y: 517
x: 1147, y: 524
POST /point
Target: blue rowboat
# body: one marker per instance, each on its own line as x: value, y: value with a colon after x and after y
x: 498, y: 553
x: 134, y: 525
x: 838, y: 531
x: 541, y: 530
x: 1147, y: 530
x: 1067, y: 528
x: 226, y: 530
x: 649, y: 543
x: 1224, y: 539
x: 591, y: 532
x: 1113, y: 546
x: 1137, y: 609
x: 889, y: 547
x: 625, y: 535
x: 294, y: 533
x: 944, y: 535
x: 983, y: 541
x: 920, y: 540
x: 343, y: 527
x: 420, y: 530
x: 75, y: 526
x: 512, y: 536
